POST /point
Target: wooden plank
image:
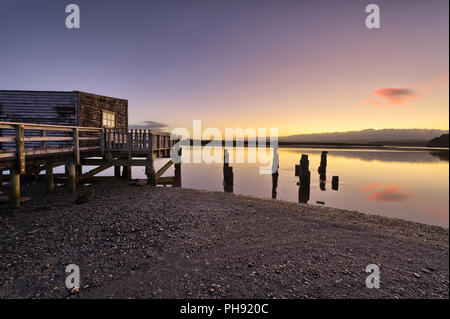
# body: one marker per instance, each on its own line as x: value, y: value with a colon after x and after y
x: 49, y: 127
x: 47, y: 138
x: 166, y: 180
x: 8, y: 155
x: 89, y: 148
x: 115, y: 162
x: 6, y: 126
x: 163, y: 169
x: 94, y: 171
x: 7, y: 139
x: 94, y: 138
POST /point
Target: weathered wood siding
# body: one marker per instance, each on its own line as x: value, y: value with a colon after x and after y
x: 91, y: 107
x: 40, y: 107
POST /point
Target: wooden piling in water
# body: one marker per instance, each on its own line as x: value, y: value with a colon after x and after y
x: 335, y: 183
x: 302, y: 171
x: 275, y: 174
x: 177, y: 172
x: 228, y: 177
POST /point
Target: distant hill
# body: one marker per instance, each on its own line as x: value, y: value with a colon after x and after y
x: 441, y: 141
x: 369, y: 136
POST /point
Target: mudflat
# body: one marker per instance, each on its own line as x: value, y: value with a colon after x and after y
x: 155, y: 242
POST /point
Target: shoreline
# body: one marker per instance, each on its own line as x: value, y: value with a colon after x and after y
x: 147, y: 242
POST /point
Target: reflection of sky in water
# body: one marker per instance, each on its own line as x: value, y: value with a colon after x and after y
x: 402, y: 184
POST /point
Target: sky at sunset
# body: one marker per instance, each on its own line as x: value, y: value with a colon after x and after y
x: 299, y: 66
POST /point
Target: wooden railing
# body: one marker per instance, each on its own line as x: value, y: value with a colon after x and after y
x: 20, y: 140
x: 141, y: 141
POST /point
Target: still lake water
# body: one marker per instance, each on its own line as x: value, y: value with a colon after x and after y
x: 411, y: 185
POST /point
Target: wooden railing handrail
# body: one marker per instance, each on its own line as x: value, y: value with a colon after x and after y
x: 107, y: 141
x: 37, y: 127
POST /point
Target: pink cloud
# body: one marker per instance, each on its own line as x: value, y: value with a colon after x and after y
x: 396, y: 96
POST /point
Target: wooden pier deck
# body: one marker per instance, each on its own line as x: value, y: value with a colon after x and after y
x: 31, y: 148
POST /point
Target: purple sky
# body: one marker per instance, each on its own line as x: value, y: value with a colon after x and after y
x: 300, y: 66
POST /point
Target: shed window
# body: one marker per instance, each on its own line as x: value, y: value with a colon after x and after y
x: 109, y: 119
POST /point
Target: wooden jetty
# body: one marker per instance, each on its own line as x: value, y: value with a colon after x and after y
x: 40, y: 130
x: 90, y: 146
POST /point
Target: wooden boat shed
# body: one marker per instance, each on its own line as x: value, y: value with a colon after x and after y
x: 40, y: 130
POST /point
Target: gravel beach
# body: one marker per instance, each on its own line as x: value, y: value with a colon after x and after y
x: 148, y: 242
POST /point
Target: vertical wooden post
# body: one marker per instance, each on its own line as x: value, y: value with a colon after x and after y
x: 76, y: 146
x: 102, y: 142
x: 275, y: 174
x: 129, y: 145
x: 14, y: 182
x: 78, y: 171
x: 323, y: 170
x: 71, y: 177
x: 335, y: 183
x: 150, y: 170
x: 49, y: 177
x: 20, y: 149
x: 126, y: 173
x: 108, y: 144
x: 117, y: 171
x: 302, y: 171
x: 150, y: 137
x: 227, y: 173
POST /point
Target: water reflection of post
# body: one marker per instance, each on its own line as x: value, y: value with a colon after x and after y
x: 275, y: 166
x: 335, y: 183
x: 302, y: 171
x: 227, y: 173
x: 323, y: 170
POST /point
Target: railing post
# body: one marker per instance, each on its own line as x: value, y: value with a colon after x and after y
x: 150, y: 137
x: 76, y: 146
x: 20, y: 149
x: 129, y: 145
x: 102, y: 142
